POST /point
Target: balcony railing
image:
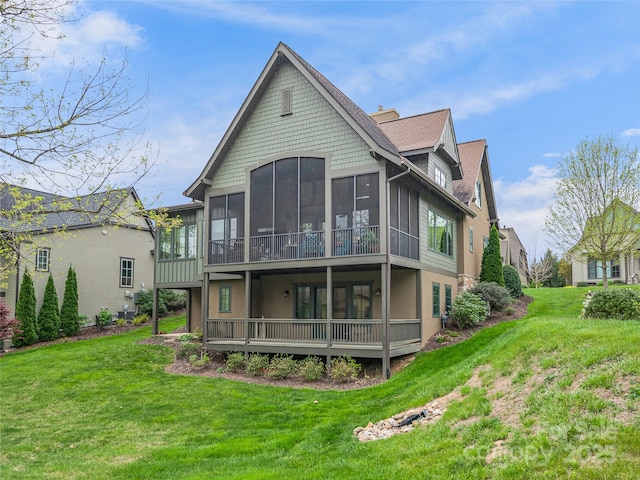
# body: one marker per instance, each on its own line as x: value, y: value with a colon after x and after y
x: 365, y: 333
x: 296, y: 245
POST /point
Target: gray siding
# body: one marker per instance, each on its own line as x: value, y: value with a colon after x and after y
x: 314, y: 126
x: 429, y: 257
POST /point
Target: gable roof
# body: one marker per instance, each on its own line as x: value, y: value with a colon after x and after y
x: 423, y: 133
x: 365, y: 126
x: 513, y: 243
x: 474, y: 158
x: 72, y: 213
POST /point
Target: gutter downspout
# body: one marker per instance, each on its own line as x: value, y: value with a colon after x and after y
x: 386, y: 358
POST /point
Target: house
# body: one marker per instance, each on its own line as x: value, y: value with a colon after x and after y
x: 317, y: 229
x: 513, y: 253
x: 625, y: 266
x: 110, y: 249
x: 475, y: 190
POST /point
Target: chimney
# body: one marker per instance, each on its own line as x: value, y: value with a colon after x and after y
x: 383, y: 115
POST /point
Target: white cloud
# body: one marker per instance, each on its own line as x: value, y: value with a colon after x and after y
x: 523, y: 204
x: 85, y: 39
x: 552, y: 155
x: 631, y: 132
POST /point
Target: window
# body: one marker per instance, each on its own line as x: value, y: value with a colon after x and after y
x: 178, y: 243
x: 441, y: 177
x: 224, y: 299
x: 447, y: 298
x: 126, y: 272
x: 436, y: 300
x: 478, y: 193
x: 349, y: 301
x: 440, y: 234
x: 594, y: 269
x: 471, y: 239
x: 42, y: 260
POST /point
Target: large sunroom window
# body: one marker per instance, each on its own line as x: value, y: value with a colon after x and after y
x: 356, y: 214
x: 287, y: 209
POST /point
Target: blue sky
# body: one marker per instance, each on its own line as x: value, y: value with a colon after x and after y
x: 532, y: 78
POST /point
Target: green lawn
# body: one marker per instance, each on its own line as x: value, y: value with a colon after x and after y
x: 104, y: 408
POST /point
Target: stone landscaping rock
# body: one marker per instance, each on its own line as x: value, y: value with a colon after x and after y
x: 389, y: 427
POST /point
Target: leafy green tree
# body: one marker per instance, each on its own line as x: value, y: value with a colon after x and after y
x: 49, y: 314
x: 596, y: 200
x: 69, y: 317
x: 26, y: 313
x: 491, y: 269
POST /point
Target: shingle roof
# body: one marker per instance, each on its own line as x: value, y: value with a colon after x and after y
x: 355, y: 112
x: 416, y: 132
x: 471, y: 154
x: 61, y: 211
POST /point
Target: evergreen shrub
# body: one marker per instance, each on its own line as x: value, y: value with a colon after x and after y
x: 49, y: 314
x: 512, y: 281
x: 613, y: 303
x: 497, y: 296
x: 468, y: 309
x: 26, y: 313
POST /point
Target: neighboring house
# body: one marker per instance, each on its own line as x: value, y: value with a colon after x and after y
x: 624, y: 268
x: 513, y: 253
x: 317, y: 230
x: 110, y: 250
x: 475, y: 190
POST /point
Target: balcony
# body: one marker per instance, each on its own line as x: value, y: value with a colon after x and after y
x: 362, y: 338
x: 296, y: 246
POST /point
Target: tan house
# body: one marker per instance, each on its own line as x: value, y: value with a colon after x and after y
x: 111, y: 251
x: 475, y: 190
x: 513, y: 253
x: 625, y: 266
x: 317, y: 229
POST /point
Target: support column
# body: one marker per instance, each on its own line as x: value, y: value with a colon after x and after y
x: 329, y: 313
x: 205, y: 305
x: 154, y: 312
x: 385, y: 273
x: 247, y: 306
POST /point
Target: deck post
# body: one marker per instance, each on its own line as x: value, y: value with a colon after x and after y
x: 205, y: 305
x: 247, y: 306
x: 385, y: 273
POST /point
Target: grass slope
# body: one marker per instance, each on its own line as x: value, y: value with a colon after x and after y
x: 104, y: 408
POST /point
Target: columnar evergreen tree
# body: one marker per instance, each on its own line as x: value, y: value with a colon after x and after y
x: 69, y: 318
x: 49, y: 314
x: 26, y: 313
x: 512, y: 281
x: 491, y: 269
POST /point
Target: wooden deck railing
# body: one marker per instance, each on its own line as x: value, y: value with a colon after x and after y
x: 313, y: 333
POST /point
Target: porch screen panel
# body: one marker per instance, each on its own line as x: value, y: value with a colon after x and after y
x: 342, y: 202
x: 218, y: 211
x: 303, y: 301
x: 286, y: 195
x: 311, y: 194
x: 366, y: 211
x: 262, y: 200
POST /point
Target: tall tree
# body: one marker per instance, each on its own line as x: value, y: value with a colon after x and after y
x: 491, y: 268
x: 594, y: 214
x: 49, y: 314
x: 26, y: 313
x: 69, y: 317
x: 71, y: 135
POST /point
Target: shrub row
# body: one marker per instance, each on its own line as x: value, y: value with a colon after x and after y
x: 282, y: 366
